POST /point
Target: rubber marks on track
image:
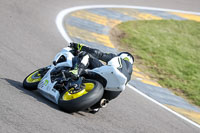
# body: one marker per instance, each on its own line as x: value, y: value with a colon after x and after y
x: 92, y: 26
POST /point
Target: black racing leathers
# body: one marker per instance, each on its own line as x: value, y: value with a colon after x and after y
x: 95, y: 54
x: 98, y: 54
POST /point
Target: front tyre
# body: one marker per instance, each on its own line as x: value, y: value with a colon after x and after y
x: 32, y: 80
x: 91, y: 94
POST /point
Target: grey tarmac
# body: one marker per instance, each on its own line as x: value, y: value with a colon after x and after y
x: 29, y: 39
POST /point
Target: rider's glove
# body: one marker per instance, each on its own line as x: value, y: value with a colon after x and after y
x: 72, y: 44
x: 76, y: 46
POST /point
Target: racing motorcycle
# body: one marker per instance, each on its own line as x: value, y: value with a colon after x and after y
x: 92, y: 90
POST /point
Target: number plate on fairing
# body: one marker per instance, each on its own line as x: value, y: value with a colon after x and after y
x: 45, y: 87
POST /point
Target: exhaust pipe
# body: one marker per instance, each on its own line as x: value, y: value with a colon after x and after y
x: 104, y: 103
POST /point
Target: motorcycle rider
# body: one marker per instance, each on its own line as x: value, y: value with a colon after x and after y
x: 91, y: 58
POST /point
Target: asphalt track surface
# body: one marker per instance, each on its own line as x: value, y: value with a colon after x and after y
x: 29, y: 39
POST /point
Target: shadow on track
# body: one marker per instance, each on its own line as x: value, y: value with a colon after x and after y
x: 34, y: 94
x: 37, y: 96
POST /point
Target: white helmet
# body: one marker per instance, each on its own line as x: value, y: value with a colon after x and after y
x: 126, y: 56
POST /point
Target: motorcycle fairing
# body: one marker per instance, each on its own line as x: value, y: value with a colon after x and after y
x: 46, y: 87
x: 67, y: 54
x: 115, y: 79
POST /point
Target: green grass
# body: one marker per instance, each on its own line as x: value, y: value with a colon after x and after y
x: 170, y: 50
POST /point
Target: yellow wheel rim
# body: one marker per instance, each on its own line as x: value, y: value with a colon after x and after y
x: 68, y: 96
x: 34, y: 77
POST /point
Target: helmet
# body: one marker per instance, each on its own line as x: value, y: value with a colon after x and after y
x: 126, y: 56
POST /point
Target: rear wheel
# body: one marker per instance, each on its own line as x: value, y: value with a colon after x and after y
x: 72, y: 101
x: 32, y: 80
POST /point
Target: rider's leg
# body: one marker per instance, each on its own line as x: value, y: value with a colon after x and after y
x: 83, y: 62
x: 87, y: 61
x: 94, y: 62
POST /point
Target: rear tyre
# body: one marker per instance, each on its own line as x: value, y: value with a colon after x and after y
x: 32, y: 80
x: 82, y: 100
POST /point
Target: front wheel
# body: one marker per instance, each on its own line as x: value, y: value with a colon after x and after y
x: 88, y: 96
x: 32, y: 80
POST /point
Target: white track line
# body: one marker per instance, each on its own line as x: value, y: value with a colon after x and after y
x: 165, y: 107
x: 63, y: 13
x: 59, y: 23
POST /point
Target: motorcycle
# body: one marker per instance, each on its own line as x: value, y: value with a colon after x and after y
x: 92, y: 90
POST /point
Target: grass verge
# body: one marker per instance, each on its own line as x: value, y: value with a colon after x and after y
x: 169, y: 50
